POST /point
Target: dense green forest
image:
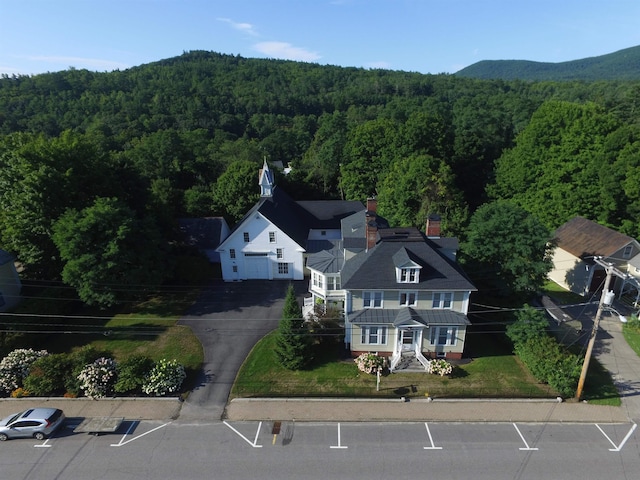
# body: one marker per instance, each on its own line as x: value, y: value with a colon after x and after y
x: 621, y: 65
x: 96, y: 167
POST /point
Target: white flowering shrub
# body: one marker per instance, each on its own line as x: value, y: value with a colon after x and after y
x: 369, y: 362
x: 98, y: 378
x: 165, y: 377
x: 439, y: 367
x: 14, y: 368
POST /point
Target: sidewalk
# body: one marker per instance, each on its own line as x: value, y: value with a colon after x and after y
x: 345, y: 410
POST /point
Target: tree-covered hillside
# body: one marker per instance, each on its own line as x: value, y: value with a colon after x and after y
x: 185, y: 137
x: 620, y: 65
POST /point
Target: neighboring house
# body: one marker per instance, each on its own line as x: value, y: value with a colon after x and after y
x: 577, y: 243
x: 205, y: 234
x: 275, y: 236
x: 10, y: 284
x: 406, y: 297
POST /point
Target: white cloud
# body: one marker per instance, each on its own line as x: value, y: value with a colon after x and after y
x: 286, y: 51
x: 243, y: 27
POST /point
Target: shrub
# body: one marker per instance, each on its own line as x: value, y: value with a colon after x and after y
x: 293, y: 341
x: 48, y: 375
x: 132, y: 373
x: 165, y: 377
x: 14, y: 368
x: 97, y: 378
x: 79, y: 360
x: 369, y: 362
x: 439, y: 367
x: 19, y: 393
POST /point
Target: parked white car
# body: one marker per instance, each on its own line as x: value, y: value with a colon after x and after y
x: 38, y: 423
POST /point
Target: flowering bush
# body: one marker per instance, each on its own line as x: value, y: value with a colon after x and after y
x: 439, y: 367
x: 14, y: 368
x: 97, y: 378
x: 369, y: 362
x: 19, y: 393
x: 166, y: 376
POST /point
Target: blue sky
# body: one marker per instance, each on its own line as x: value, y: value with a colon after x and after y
x: 427, y: 36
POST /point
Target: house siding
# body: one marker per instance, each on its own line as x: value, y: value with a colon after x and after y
x: 391, y: 299
x: 259, y: 243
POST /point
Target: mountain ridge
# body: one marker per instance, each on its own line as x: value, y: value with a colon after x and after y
x: 620, y: 65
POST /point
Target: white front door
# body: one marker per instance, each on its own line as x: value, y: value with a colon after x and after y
x: 407, y: 339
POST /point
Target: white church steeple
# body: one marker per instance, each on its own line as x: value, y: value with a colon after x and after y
x: 266, y: 180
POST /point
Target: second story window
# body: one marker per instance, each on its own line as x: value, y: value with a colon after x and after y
x: 372, y: 299
x: 232, y: 253
x: 333, y: 283
x: 442, y: 300
x: 279, y: 253
x: 272, y: 237
x: 246, y: 237
x: 408, y: 299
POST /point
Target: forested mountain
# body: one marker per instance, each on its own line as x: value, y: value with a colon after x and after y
x: 621, y: 65
x: 119, y: 156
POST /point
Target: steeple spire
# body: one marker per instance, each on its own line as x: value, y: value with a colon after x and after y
x: 266, y: 180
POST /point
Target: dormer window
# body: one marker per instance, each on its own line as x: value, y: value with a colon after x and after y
x: 409, y: 275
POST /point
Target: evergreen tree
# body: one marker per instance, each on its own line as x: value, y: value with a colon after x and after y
x: 293, y: 344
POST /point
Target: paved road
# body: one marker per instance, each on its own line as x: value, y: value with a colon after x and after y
x: 229, y: 319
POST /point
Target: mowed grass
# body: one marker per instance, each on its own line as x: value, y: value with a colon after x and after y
x: 487, y: 376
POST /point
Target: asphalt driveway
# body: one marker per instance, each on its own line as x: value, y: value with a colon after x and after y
x: 229, y: 319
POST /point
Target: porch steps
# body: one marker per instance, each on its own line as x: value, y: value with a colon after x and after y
x: 409, y: 363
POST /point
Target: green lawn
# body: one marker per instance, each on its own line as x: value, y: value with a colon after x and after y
x: 488, y: 376
x: 144, y: 328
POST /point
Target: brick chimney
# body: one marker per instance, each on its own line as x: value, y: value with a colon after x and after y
x: 371, y: 225
x: 433, y: 226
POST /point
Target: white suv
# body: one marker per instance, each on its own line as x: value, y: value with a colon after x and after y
x: 38, y: 423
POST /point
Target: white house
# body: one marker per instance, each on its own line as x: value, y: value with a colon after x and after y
x: 274, y: 237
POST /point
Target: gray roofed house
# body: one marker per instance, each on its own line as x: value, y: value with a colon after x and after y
x: 204, y: 234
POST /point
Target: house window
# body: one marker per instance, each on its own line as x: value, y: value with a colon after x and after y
x: 372, y: 299
x: 408, y: 299
x: 323, y: 233
x: 333, y: 283
x: 235, y: 269
x: 443, y: 335
x: 409, y: 275
x: 374, y: 335
x: 279, y: 253
x: 627, y: 251
x: 246, y: 237
x: 442, y: 300
x: 232, y: 253
x: 283, y: 268
x: 318, y: 280
x: 272, y: 237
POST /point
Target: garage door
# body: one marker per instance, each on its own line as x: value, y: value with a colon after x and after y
x: 257, y: 266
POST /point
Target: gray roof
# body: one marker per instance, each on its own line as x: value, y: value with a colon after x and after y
x: 297, y: 218
x: 375, y: 269
x: 203, y: 233
x: 407, y: 316
x: 328, y: 260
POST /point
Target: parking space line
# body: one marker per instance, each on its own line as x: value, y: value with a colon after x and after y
x: 526, y: 447
x: 624, y: 440
x: 254, y: 444
x: 339, y: 441
x: 121, y: 443
x: 432, y: 447
x: 43, y: 445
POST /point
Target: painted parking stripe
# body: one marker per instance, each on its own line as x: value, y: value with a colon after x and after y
x: 339, y: 440
x: 122, y: 442
x: 432, y: 447
x: 624, y: 440
x: 254, y: 444
x: 526, y: 445
x: 43, y: 445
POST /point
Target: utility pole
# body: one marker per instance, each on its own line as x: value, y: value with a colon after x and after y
x: 596, y: 323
